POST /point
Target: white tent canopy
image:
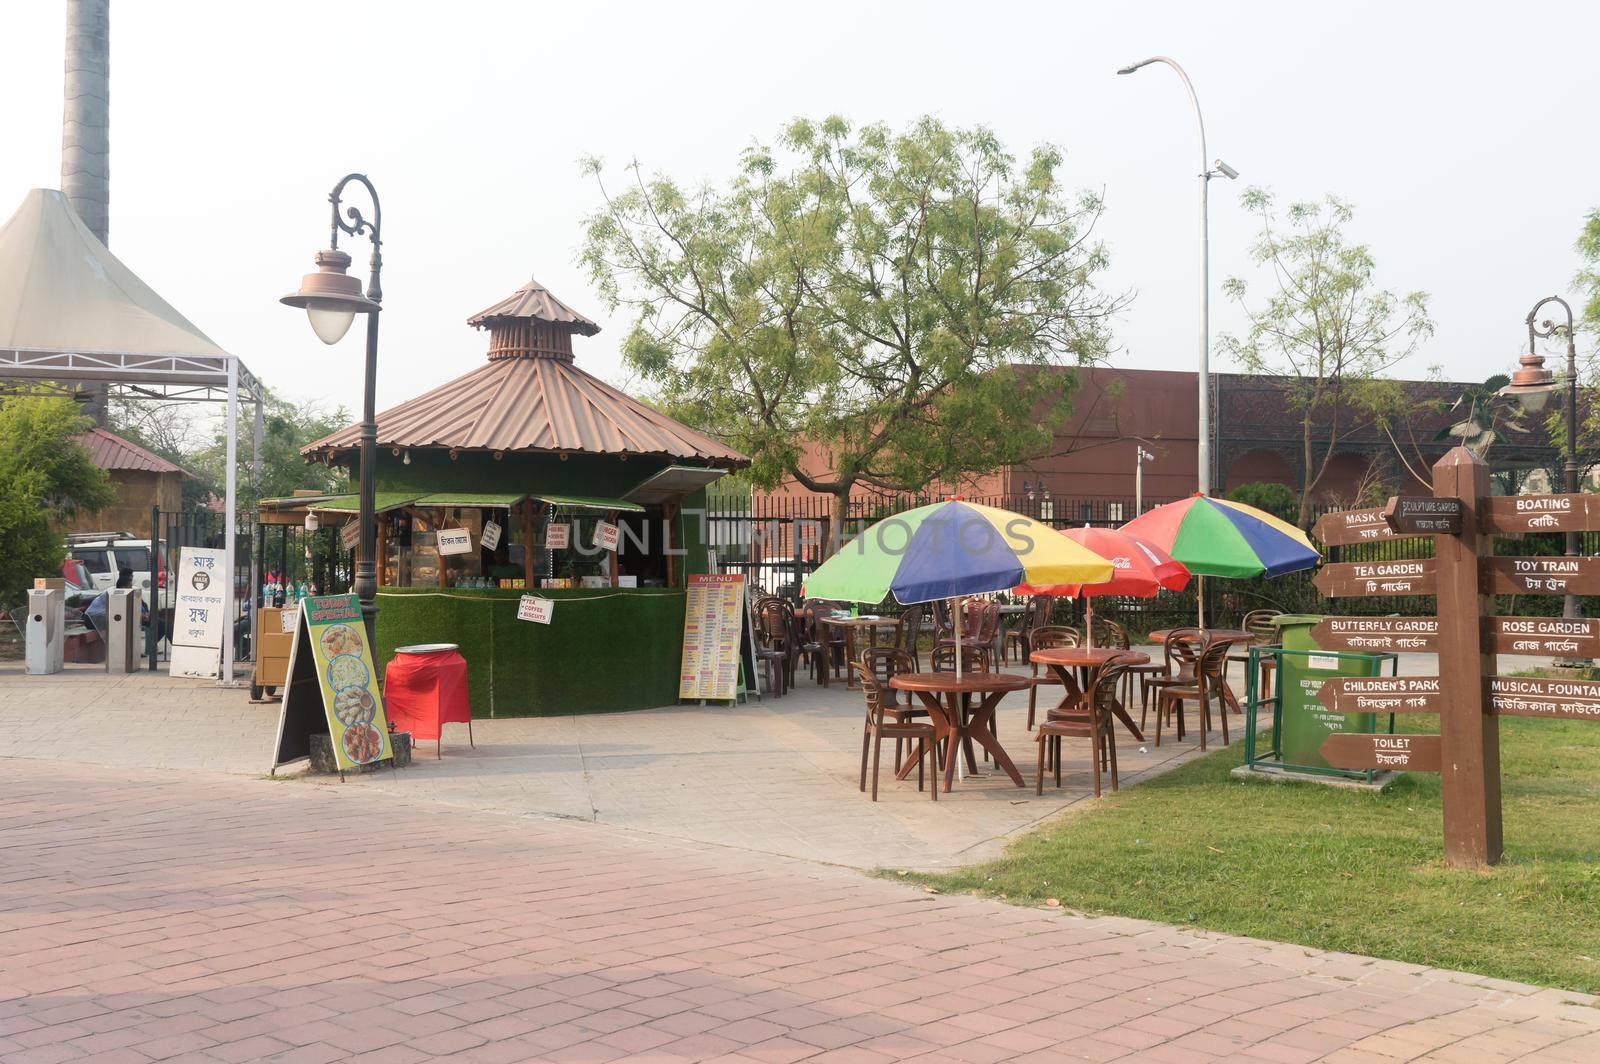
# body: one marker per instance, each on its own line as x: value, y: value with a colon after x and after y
x: 70, y: 311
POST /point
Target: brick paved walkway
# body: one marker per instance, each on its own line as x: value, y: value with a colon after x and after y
x: 152, y: 915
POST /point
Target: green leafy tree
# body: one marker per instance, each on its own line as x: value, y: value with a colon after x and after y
x: 1588, y: 278
x: 1275, y: 499
x: 1324, y: 328
x: 861, y: 307
x: 45, y: 477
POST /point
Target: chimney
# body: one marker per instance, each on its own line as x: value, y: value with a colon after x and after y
x: 86, y: 136
x: 86, y: 119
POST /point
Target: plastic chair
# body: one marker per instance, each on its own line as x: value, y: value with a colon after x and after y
x: 884, y: 721
x: 1092, y: 721
x: 1046, y: 637
x: 1038, y: 616
x: 1180, y: 655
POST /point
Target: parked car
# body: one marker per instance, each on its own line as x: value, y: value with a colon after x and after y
x: 104, y: 553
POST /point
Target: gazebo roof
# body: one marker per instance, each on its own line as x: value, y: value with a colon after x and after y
x: 530, y: 397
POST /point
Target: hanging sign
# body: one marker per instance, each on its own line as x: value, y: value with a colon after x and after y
x: 713, y: 627
x: 557, y: 536
x: 200, y: 614
x: 535, y: 609
x: 1424, y: 515
x: 332, y: 688
x: 1526, y: 696
x: 454, y: 541
x: 1396, y: 753
x: 1352, y: 526
x: 605, y: 535
x: 1411, y: 634
x: 1359, y: 579
x: 1381, y: 694
x: 1517, y: 514
x: 491, y: 535
x: 350, y: 534
x: 1556, y: 575
x: 1559, y: 636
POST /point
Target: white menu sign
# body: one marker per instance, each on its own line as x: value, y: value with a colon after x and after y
x: 491, y: 535
x: 555, y: 537
x: 535, y: 609
x: 200, y: 616
x: 605, y: 535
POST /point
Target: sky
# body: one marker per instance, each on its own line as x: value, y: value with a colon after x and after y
x: 1457, y: 137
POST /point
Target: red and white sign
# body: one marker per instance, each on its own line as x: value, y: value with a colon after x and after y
x: 350, y: 534
x: 556, y: 536
x: 535, y: 609
x: 605, y: 535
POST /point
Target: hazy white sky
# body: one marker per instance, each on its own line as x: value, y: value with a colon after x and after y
x: 1461, y: 132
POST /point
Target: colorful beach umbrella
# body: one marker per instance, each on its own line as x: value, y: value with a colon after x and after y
x: 951, y: 549
x: 1139, y: 569
x: 1216, y: 537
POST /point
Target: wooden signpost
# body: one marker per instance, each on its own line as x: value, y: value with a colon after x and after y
x: 1550, y: 575
x: 1527, y: 696
x: 1423, y: 515
x: 1410, y: 635
x: 1409, y: 576
x: 1353, y: 526
x: 1511, y: 515
x: 1381, y: 694
x: 1393, y: 753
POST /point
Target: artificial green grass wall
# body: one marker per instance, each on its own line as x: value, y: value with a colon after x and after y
x: 605, y: 649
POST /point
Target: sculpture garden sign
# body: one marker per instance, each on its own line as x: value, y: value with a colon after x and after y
x: 1464, y: 632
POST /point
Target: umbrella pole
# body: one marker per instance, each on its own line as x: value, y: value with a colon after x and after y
x: 1088, y: 620
x: 955, y: 739
x: 1200, y: 602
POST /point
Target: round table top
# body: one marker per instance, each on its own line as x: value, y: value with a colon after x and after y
x: 969, y: 683
x: 1088, y: 656
x: 1233, y: 635
x: 857, y: 622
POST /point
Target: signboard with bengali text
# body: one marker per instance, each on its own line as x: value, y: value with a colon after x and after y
x: 1381, y: 694
x: 200, y: 613
x: 713, y: 626
x: 1549, y: 575
x: 1412, y: 576
x: 1424, y: 515
x: 1510, y: 515
x: 1392, y: 753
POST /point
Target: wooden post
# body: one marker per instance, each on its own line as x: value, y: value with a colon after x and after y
x: 382, y: 560
x: 669, y: 514
x: 527, y: 543
x: 611, y: 516
x: 1470, y: 734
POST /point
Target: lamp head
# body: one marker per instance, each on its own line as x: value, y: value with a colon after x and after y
x: 1225, y: 170
x: 330, y: 297
x: 1135, y: 66
x: 1532, y: 384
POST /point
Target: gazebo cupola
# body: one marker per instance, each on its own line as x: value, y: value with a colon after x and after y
x: 532, y: 323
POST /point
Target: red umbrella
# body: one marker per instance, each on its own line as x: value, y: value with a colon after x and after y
x: 1139, y: 569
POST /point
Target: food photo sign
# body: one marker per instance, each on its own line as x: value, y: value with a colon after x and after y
x: 332, y: 688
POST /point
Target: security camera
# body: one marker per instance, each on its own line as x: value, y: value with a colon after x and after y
x: 1225, y: 170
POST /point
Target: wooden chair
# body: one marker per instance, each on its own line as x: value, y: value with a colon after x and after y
x: 1209, y: 656
x: 909, y: 631
x: 1038, y: 616
x: 1259, y: 623
x: 884, y: 722
x: 1180, y: 657
x: 1093, y: 721
x: 1046, y: 637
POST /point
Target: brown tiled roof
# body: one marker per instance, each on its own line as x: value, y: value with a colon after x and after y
x: 533, y: 300
x: 111, y: 451
x: 534, y: 404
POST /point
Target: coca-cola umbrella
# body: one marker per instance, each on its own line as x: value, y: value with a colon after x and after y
x: 1139, y: 569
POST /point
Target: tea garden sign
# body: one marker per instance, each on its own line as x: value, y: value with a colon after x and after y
x: 1466, y: 635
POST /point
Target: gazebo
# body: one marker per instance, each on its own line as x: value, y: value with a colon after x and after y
x: 530, y: 443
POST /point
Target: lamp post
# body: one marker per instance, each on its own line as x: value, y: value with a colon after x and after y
x: 1533, y: 384
x: 1217, y: 168
x: 332, y: 299
x: 1141, y: 456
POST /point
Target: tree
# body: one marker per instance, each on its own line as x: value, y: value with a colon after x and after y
x: 1275, y: 499
x: 1324, y: 327
x: 880, y: 303
x: 45, y: 477
x: 172, y: 432
x: 1588, y: 278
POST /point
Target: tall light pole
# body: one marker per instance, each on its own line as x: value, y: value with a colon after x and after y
x: 332, y: 299
x: 1207, y: 172
x: 1533, y: 384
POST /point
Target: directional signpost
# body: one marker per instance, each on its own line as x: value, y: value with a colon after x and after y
x: 1381, y: 694
x: 1552, y: 575
x: 1527, y: 696
x: 1424, y: 515
x: 1410, y: 576
x: 1353, y: 526
x: 1556, y: 636
x: 1410, y: 635
x: 1393, y: 753
x: 1510, y: 515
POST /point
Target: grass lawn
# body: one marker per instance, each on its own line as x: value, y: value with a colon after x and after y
x: 1338, y: 870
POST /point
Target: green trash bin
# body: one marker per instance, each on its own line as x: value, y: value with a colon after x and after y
x: 1302, y: 670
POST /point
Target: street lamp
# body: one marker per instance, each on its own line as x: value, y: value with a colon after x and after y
x: 1140, y: 457
x: 1532, y: 385
x: 332, y: 299
x: 1217, y: 168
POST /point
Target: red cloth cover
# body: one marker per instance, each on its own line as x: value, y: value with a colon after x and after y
x: 423, y: 691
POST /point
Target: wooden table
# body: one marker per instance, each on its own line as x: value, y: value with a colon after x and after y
x: 851, y: 625
x: 943, y: 693
x: 1062, y: 660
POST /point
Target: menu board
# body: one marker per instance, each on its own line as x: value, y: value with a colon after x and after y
x: 713, y: 626
x: 331, y: 671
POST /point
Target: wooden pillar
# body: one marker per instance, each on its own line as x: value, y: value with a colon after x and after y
x: 669, y: 514
x: 1469, y: 734
x: 382, y: 550
x: 527, y: 542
